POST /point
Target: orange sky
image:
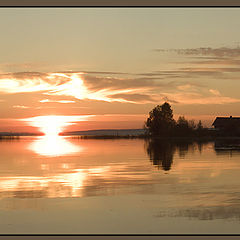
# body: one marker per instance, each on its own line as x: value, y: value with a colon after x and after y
x: 107, y: 68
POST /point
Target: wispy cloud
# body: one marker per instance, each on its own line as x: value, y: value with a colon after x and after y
x: 208, y: 70
x: 210, y: 61
x: 20, y: 106
x: 198, y: 98
x: 96, y: 72
x: 69, y: 119
x: 56, y: 101
x: 25, y: 65
x: 206, y: 51
x: 73, y: 85
x: 139, y: 90
x: 189, y: 72
x: 214, y: 63
x: 215, y: 92
x: 220, y: 61
x: 134, y: 97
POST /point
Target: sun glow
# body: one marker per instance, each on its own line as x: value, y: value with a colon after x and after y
x: 52, y: 146
x: 52, y: 125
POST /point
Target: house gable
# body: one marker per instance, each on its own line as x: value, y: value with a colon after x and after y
x: 227, y: 123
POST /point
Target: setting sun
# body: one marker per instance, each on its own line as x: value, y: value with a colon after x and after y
x: 50, y: 125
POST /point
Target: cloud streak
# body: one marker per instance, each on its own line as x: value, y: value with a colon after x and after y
x: 20, y: 106
x: 197, y: 98
x: 56, y: 101
x: 75, y: 85
x: 140, y: 90
x: 205, y: 51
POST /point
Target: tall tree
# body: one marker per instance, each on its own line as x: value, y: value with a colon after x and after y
x: 160, y: 121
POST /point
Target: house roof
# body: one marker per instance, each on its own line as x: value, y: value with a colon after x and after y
x: 226, y: 120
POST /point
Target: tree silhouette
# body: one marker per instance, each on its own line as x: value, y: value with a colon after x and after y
x: 199, y: 125
x: 160, y: 123
x: 160, y: 153
x: 160, y: 120
x: 185, y: 127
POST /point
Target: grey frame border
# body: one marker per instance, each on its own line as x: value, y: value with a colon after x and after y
x: 119, y: 3
x: 119, y: 237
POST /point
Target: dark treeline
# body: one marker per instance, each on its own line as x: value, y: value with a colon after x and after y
x: 9, y: 137
x: 160, y: 123
x: 109, y: 136
x: 161, y: 152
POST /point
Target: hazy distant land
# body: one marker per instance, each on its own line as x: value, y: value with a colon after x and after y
x: 100, y: 132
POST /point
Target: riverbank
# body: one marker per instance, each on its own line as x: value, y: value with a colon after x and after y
x: 170, y: 138
x: 140, y: 136
x: 9, y: 137
x: 109, y: 137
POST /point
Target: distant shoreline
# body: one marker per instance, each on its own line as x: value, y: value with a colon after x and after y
x: 182, y: 138
x: 206, y: 135
x: 98, y: 132
x: 145, y: 137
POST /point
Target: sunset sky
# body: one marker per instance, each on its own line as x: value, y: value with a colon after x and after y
x: 106, y: 68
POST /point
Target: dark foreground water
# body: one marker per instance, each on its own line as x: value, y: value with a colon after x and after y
x: 64, y: 185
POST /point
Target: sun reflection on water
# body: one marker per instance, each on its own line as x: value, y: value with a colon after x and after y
x: 51, y: 146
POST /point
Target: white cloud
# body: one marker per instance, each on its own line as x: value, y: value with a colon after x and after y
x: 56, y: 101
x: 215, y: 92
x: 123, y: 90
x: 20, y: 106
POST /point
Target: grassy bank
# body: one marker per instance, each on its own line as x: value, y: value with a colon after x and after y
x: 9, y: 137
x: 108, y: 137
x: 165, y: 138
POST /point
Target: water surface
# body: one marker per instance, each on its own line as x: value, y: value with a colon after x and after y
x: 67, y: 185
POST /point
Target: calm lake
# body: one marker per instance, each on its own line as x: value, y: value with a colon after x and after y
x: 122, y: 186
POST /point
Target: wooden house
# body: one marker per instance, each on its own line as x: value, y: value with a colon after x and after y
x: 230, y: 124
